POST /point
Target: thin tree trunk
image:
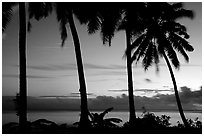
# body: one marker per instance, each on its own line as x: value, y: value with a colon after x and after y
x: 84, y: 120
x: 132, y: 116
x: 176, y: 92
x: 22, y: 66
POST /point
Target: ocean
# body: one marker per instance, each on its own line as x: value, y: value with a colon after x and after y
x: 70, y: 117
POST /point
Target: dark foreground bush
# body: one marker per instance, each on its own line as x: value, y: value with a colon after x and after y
x: 148, y: 124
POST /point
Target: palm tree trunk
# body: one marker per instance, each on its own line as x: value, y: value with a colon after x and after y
x: 176, y: 92
x: 22, y: 62
x: 84, y: 120
x: 132, y: 116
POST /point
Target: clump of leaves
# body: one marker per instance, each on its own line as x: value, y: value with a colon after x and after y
x: 192, y: 123
x: 36, y: 127
x: 98, y: 120
x: 149, y: 120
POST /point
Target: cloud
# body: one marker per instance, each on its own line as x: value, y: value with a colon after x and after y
x: 78, y: 94
x: 51, y: 67
x: 141, y: 90
x: 28, y: 76
x: 186, y: 96
x: 55, y: 96
x: 72, y: 95
x: 191, y: 100
x: 70, y: 66
x: 122, y: 90
x: 165, y: 86
x: 159, y: 102
x: 148, y: 80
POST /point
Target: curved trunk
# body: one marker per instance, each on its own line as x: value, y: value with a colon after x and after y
x: 22, y: 67
x: 84, y: 120
x: 176, y: 92
x: 132, y: 116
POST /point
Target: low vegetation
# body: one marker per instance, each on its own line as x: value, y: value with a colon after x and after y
x: 149, y: 123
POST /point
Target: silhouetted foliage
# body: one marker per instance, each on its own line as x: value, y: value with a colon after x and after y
x: 162, y: 36
x: 192, y: 123
x: 98, y: 121
x: 65, y: 13
x: 148, y: 124
x: 149, y: 120
x: 21, y: 101
x: 7, y: 12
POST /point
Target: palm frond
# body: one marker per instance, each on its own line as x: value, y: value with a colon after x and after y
x: 172, y: 54
x: 105, y: 112
x: 115, y: 120
x: 91, y: 116
x: 179, y: 46
x: 156, y: 57
x: 177, y: 5
x: 93, y: 25
x: 137, y: 42
x: 110, y: 19
x: 39, y: 10
x: 141, y: 50
x: 182, y: 42
x: 174, y: 27
x: 183, y: 13
x: 149, y: 56
x: 62, y: 12
x: 7, y: 11
x: 134, y: 45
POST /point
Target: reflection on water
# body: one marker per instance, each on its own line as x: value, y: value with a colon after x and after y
x: 70, y: 117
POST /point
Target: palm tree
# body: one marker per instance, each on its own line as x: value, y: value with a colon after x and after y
x: 128, y: 19
x: 7, y: 14
x: 65, y: 12
x: 162, y: 36
x: 132, y: 25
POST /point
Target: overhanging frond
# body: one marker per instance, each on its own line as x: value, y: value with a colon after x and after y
x: 62, y: 17
x: 141, y: 50
x: 149, y: 56
x: 171, y: 54
x: 7, y: 11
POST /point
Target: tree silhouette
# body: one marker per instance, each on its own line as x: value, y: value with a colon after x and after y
x: 7, y: 8
x: 162, y: 36
x: 65, y: 12
x: 132, y: 25
x: 129, y: 19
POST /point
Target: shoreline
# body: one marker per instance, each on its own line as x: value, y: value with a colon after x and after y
x: 171, y: 111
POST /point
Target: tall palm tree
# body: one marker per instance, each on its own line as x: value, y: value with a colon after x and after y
x: 132, y: 25
x: 7, y: 9
x: 65, y: 13
x: 128, y: 19
x: 162, y: 36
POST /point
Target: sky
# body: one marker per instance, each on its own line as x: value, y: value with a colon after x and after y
x: 51, y: 70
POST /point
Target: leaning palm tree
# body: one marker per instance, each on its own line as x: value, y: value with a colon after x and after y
x: 92, y: 18
x: 162, y: 36
x: 7, y: 11
x: 65, y: 13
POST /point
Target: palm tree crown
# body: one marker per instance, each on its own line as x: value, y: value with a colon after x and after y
x: 162, y: 34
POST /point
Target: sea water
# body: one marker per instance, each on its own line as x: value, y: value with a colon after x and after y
x: 71, y: 117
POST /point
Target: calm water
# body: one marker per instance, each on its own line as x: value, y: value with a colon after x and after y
x: 70, y: 117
